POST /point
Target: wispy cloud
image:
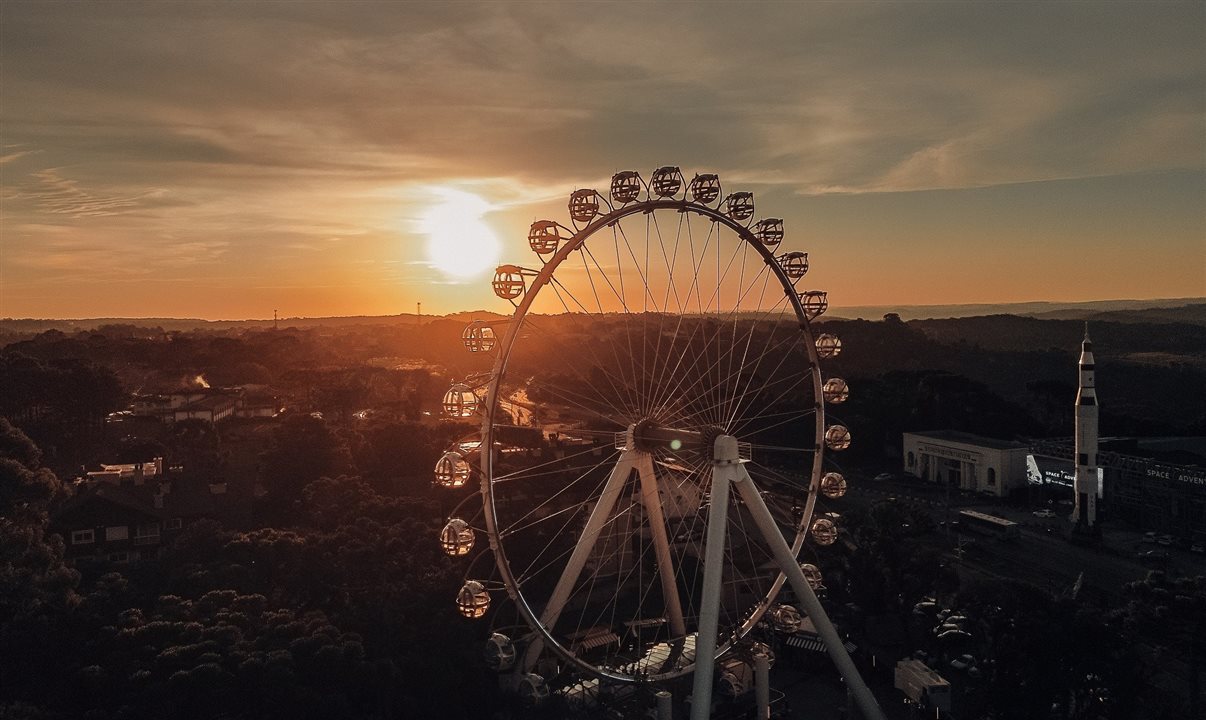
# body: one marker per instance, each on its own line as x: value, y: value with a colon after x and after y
x: 270, y: 127
x: 57, y: 195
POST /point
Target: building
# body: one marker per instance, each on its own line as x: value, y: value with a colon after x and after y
x: 136, y: 473
x: 965, y: 461
x: 209, y: 404
x: 117, y: 522
x: 1149, y: 484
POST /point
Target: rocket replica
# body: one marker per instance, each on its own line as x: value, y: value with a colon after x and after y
x: 1085, y: 512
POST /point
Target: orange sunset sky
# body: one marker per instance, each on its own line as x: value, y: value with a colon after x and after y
x: 222, y: 160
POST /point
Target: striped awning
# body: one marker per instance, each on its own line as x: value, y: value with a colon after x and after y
x: 813, y: 643
x: 595, y: 640
x: 805, y: 642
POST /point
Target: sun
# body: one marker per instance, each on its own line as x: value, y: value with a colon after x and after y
x: 459, y: 243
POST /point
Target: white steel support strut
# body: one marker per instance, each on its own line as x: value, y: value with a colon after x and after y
x: 709, y: 613
x: 790, y: 566
x: 652, y: 500
x: 586, y: 543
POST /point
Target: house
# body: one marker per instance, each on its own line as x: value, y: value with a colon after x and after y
x: 137, y: 473
x: 209, y: 404
x: 125, y: 522
x: 211, y: 409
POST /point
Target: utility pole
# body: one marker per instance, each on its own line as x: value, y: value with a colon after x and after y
x: 418, y: 313
x: 274, y: 322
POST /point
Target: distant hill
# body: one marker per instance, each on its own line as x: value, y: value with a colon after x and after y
x: 1137, y: 340
x: 1191, y: 311
x: 1182, y: 310
x: 19, y: 326
x: 1194, y: 314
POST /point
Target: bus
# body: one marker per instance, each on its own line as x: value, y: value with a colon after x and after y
x: 989, y: 524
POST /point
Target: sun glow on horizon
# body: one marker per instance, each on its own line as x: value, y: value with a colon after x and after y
x: 459, y: 243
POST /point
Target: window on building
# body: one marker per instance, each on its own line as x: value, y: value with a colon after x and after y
x: 83, y: 537
x: 147, y: 534
x: 117, y: 532
x: 912, y: 459
x: 991, y: 476
x: 119, y: 557
x: 1083, y: 459
x: 175, y: 524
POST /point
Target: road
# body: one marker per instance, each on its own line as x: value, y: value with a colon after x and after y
x: 1042, y: 555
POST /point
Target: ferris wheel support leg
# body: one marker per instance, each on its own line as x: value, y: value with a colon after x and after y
x: 586, y: 543
x: 709, y: 612
x: 652, y: 501
x: 790, y: 566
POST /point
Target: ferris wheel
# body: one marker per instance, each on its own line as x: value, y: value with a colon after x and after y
x: 653, y: 439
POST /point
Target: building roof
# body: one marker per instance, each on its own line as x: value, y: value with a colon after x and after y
x: 185, y: 499
x: 212, y: 402
x: 970, y: 439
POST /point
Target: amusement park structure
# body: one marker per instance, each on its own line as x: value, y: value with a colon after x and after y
x: 653, y: 448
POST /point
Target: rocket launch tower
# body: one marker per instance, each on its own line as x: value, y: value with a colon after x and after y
x: 1085, y: 512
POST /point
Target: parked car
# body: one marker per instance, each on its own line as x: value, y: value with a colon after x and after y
x: 963, y: 662
x: 883, y: 477
x: 1198, y: 547
x: 954, y: 635
x: 1165, y: 540
x: 1044, y: 513
x: 1149, y: 537
x: 924, y: 608
x: 974, y: 672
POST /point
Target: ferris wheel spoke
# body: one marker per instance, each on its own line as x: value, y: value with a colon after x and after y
x: 720, y: 282
x: 624, y: 397
x: 589, y: 403
x: 627, y: 396
x: 671, y: 261
x: 741, y: 428
x: 578, y: 401
x: 675, y: 388
x: 765, y: 387
x: 736, y: 315
x: 694, y: 286
x: 586, y: 543
x: 585, y: 251
x: 695, y: 384
x: 791, y: 338
x: 749, y: 336
x: 770, y: 347
x: 618, y: 229
x: 514, y: 526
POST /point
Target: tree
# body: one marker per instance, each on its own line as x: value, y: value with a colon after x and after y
x: 304, y: 449
x: 37, y: 590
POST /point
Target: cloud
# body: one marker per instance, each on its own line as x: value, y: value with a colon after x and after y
x: 271, y: 126
x: 57, y: 195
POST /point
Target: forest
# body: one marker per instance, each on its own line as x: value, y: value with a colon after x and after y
x: 328, y: 595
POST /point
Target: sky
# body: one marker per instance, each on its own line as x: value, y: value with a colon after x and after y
x: 225, y: 160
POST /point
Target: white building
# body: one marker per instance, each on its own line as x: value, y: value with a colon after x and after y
x: 966, y: 461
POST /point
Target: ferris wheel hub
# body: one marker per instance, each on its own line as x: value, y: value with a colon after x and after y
x: 648, y: 436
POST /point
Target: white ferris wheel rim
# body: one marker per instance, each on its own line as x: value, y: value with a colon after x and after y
x: 545, y: 277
